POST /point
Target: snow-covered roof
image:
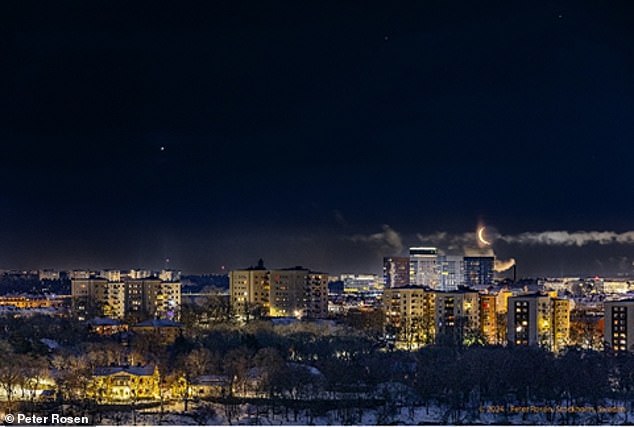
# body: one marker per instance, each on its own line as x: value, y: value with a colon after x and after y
x: 211, y: 380
x: 147, y: 370
x: 50, y: 343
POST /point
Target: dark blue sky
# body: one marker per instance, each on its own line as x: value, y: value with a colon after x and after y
x: 291, y: 130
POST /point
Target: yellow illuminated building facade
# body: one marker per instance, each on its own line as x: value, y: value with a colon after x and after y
x: 502, y: 300
x: 249, y: 288
x: 131, y: 299
x: 417, y: 316
x: 410, y: 316
x: 116, y: 384
x: 28, y: 302
x: 561, y: 323
x: 489, y: 318
x: 291, y: 292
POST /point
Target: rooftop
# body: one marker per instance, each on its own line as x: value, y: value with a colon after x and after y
x: 146, y: 370
x: 104, y: 321
x: 158, y: 323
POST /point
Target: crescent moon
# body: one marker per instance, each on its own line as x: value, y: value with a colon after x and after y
x: 481, y: 237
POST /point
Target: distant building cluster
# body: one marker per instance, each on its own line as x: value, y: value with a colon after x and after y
x: 426, y: 267
x: 420, y: 299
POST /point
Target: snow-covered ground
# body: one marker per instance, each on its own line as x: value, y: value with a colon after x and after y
x: 207, y: 413
x: 249, y: 414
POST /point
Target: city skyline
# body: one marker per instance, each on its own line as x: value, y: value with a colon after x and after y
x: 328, y: 135
x: 317, y: 213
x: 391, y: 242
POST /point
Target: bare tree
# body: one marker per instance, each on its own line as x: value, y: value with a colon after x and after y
x: 9, y: 370
x: 236, y: 366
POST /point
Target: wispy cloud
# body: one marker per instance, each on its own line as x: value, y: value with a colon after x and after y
x: 566, y: 238
x: 388, y: 241
x: 543, y: 238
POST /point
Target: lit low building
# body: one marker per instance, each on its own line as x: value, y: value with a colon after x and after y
x: 116, y: 384
x: 162, y: 330
x: 106, y: 326
x: 207, y: 386
x: 615, y: 286
x: 28, y: 302
x: 355, y: 283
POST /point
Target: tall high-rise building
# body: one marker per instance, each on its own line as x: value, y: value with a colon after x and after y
x: 478, y: 271
x: 450, y: 272
x: 538, y: 319
x: 619, y: 325
x: 130, y: 299
x: 395, y: 271
x: 290, y: 292
x: 423, y: 269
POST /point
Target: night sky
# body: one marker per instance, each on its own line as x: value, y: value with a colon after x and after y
x: 319, y: 133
